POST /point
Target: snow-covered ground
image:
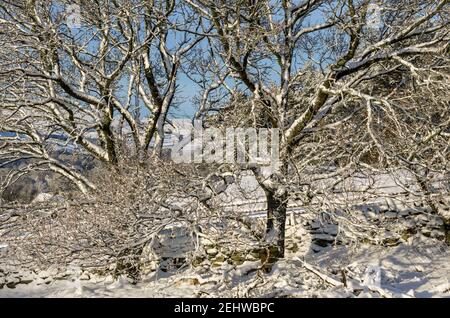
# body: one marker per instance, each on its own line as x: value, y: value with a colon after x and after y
x: 418, y: 268
x: 408, y: 259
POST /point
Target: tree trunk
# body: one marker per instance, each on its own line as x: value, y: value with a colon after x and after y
x: 159, y: 133
x: 276, y: 224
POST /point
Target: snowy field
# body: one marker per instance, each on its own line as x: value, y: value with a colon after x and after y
x: 418, y: 268
x: 320, y: 260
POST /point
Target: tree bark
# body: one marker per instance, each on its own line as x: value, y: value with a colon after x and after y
x: 276, y: 224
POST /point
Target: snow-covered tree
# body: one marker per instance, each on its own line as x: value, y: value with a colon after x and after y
x: 342, y: 80
x: 109, y: 79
